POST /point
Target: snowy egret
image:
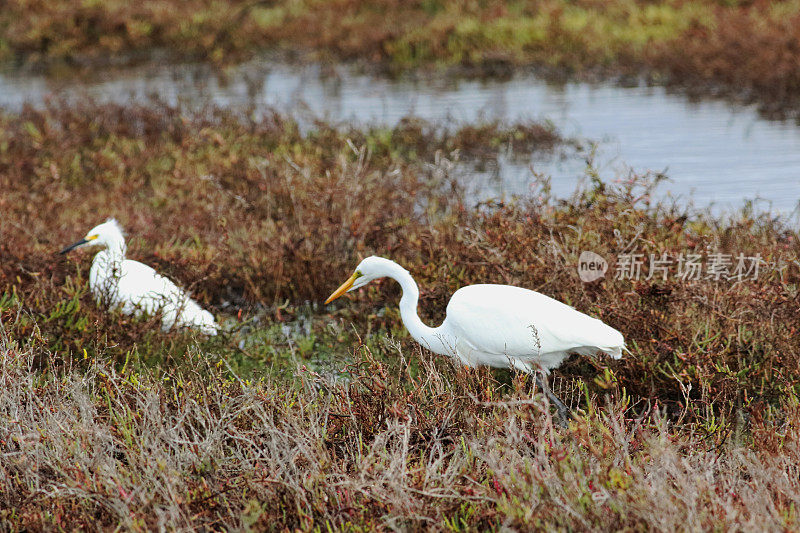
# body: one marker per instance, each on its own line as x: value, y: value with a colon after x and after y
x: 496, y: 325
x: 136, y: 288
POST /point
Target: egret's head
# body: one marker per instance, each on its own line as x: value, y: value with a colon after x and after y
x: 369, y: 269
x: 105, y: 234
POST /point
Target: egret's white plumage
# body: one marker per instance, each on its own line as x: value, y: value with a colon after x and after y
x: 136, y: 288
x: 496, y: 325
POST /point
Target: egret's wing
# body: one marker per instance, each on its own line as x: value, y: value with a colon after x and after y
x: 146, y: 288
x: 152, y: 293
x: 516, y: 322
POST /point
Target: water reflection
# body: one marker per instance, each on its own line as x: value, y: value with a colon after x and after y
x: 713, y: 152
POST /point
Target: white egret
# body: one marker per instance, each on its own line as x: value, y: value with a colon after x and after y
x: 136, y: 288
x: 496, y: 325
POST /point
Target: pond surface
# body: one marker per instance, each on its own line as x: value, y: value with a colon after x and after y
x: 715, y: 154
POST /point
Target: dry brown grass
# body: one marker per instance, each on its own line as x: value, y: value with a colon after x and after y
x: 101, y: 448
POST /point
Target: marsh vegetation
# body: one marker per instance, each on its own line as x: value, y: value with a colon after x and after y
x: 312, y: 417
x: 304, y: 416
x: 744, y: 49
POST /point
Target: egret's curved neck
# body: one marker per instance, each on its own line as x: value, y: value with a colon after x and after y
x: 431, y: 338
x: 115, y: 247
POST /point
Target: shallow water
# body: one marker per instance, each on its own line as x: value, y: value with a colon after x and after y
x: 714, y: 153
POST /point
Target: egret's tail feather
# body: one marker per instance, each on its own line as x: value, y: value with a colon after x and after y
x: 615, y: 352
x: 206, y: 323
x: 194, y: 316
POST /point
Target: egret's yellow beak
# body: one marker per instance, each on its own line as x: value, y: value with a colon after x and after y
x: 343, y: 288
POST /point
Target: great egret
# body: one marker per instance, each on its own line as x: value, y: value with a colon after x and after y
x: 496, y: 325
x: 136, y: 288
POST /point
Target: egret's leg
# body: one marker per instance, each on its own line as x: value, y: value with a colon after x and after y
x: 564, y: 412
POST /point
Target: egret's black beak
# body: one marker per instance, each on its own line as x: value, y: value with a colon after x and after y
x: 73, y: 246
